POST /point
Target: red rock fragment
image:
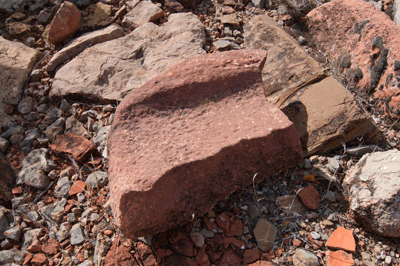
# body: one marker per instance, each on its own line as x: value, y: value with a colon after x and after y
x: 231, y: 258
x: 262, y: 263
x: 340, y: 258
x: 178, y: 182
x: 77, y: 187
x: 35, y: 246
x: 28, y: 258
x: 309, y: 196
x: 162, y: 253
x: 78, y: 147
x: 39, y: 259
x: 65, y: 23
x: 51, y: 246
x: 342, y: 238
x: 251, y: 255
x: 17, y: 190
x: 202, y: 258
x: 222, y: 221
x: 184, y: 247
x: 235, y: 228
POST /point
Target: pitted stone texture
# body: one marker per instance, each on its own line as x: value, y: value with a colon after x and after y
x: 374, y: 192
x: 192, y: 136
x: 16, y: 62
x: 349, y: 27
x: 320, y: 107
x: 79, y: 44
x: 108, y: 71
x: 143, y: 12
x: 65, y: 23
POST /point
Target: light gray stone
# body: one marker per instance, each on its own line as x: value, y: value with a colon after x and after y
x: 25, y: 106
x: 302, y: 257
x: 34, y: 167
x: 86, y: 263
x: 100, y: 140
x: 4, y: 222
x: 373, y: 189
x: 13, y: 130
x: 97, y: 179
x: 396, y: 11
x: 63, y: 231
x: 108, y: 71
x: 77, y: 236
x: 222, y: 45
x: 62, y: 188
x: 7, y: 256
x: 13, y: 233
x: 57, y: 128
x: 79, y: 44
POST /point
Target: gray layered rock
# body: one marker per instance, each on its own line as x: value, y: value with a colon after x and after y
x: 108, y: 71
x: 373, y: 188
x: 16, y: 62
x: 34, y: 168
x: 177, y: 144
x: 81, y: 43
x: 320, y: 107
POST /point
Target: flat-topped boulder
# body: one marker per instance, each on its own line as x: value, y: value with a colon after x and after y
x: 192, y: 136
x: 108, y: 71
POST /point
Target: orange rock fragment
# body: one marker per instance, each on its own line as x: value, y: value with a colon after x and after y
x: 343, y: 239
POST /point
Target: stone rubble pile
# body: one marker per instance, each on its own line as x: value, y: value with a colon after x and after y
x: 130, y: 135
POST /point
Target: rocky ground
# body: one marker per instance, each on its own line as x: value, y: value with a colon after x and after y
x: 59, y: 212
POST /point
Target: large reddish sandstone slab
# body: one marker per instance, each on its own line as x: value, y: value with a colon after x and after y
x: 190, y: 137
x: 359, y: 37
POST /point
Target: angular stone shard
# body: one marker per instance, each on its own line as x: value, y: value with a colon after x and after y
x: 369, y: 38
x: 190, y: 137
x: 325, y: 114
x: 16, y: 62
x: 108, y: 71
x: 142, y: 13
x: 79, y: 44
x: 65, y: 23
x: 78, y: 147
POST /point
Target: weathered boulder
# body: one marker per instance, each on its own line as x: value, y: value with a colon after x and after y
x: 325, y: 114
x: 79, y: 44
x: 16, y: 62
x: 65, y: 23
x: 190, y: 137
x: 143, y: 12
x: 108, y: 71
x: 373, y: 189
x: 7, y: 178
x: 364, y: 44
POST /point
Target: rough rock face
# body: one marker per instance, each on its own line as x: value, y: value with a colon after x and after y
x: 373, y: 188
x: 65, y: 23
x: 108, y: 71
x: 319, y: 106
x: 7, y: 178
x: 365, y: 44
x: 16, y: 62
x: 190, y: 137
x: 79, y: 44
